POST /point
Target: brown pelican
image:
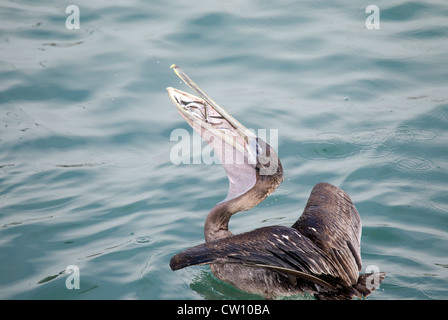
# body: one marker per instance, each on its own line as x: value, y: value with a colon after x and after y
x: 318, y: 254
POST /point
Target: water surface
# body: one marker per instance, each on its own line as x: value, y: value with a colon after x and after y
x: 85, y: 124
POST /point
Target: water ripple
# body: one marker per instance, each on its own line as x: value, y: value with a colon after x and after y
x: 85, y: 121
x: 327, y: 149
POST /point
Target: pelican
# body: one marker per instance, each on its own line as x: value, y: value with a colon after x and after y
x: 319, y: 254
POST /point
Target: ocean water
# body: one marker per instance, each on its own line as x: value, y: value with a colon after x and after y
x: 86, y: 177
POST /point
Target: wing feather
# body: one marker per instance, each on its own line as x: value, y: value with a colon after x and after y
x: 331, y: 221
x: 277, y: 248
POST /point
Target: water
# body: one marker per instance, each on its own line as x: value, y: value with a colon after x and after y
x: 85, y: 123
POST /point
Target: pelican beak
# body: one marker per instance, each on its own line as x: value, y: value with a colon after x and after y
x: 211, y: 120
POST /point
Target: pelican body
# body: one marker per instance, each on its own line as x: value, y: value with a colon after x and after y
x: 319, y: 254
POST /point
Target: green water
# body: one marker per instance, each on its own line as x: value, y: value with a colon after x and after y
x: 85, y: 124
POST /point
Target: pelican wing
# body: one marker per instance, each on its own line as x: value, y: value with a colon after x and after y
x: 331, y: 221
x: 282, y: 249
